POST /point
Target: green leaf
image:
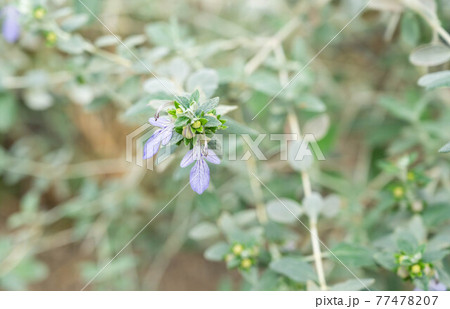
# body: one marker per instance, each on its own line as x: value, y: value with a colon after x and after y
x: 212, y: 122
x: 8, y: 111
x: 353, y: 285
x: 74, y: 45
x: 430, y: 55
x: 237, y: 128
x: 445, y: 149
x: 182, y: 121
x: 294, y: 268
x: 435, y: 80
x: 74, y: 22
x: 204, y: 230
x: 207, y: 106
x: 311, y: 103
x: 354, y: 255
x: 276, y: 210
x: 410, y: 29
x: 217, y: 252
x: 205, y: 80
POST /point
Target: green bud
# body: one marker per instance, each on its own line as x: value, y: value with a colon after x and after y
x: 188, y: 132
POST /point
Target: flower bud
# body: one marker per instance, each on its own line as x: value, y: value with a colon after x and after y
x: 246, y: 263
x: 197, y: 124
x: 398, y: 192
x: 237, y: 249
x: 402, y: 272
x: 188, y: 132
x: 39, y: 13
x: 416, y: 269
x: 50, y: 38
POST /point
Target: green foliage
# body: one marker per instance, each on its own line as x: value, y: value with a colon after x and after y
x: 70, y: 93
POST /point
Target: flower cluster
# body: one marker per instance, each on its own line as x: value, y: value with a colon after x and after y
x: 242, y: 256
x: 193, y: 123
x: 413, y: 267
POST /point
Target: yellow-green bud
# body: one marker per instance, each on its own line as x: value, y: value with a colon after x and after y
x: 411, y: 176
x: 398, y: 192
x: 246, y: 263
x: 179, y: 111
x: 237, y: 249
x: 401, y: 258
x: 39, y: 13
x: 416, y: 269
x: 197, y: 124
x: 51, y: 38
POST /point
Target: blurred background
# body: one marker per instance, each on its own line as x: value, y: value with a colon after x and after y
x: 70, y: 93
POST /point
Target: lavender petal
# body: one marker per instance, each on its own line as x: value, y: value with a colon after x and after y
x: 166, y: 134
x: 161, y: 122
x: 151, y: 147
x: 199, y: 176
x: 187, y: 159
x: 212, y: 157
x: 11, y: 26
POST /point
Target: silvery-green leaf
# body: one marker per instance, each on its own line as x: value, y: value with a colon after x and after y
x: 317, y: 126
x: 311, y: 103
x: 207, y: 106
x: 134, y: 40
x: 216, y: 252
x: 430, y: 55
x: 204, y: 80
x: 299, y: 155
x: 237, y: 128
x: 284, y: 210
x: 445, y: 149
x: 38, y: 99
x: 74, y: 22
x: 331, y: 206
x: 106, y: 40
x: 353, y: 285
x: 204, y: 230
x: 435, y: 80
x: 154, y: 85
x: 74, y: 45
x: 225, y: 109
x: 417, y: 228
x: 294, y: 268
x: 313, y: 205
x: 179, y: 70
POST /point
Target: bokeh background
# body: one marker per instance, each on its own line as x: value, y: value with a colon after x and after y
x: 70, y: 93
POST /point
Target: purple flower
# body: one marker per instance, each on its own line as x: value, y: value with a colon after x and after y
x: 162, y: 136
x: 11, y: 26
x: 199, y: 176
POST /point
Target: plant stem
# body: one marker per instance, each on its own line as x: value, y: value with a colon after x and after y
x: 295, y: 128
